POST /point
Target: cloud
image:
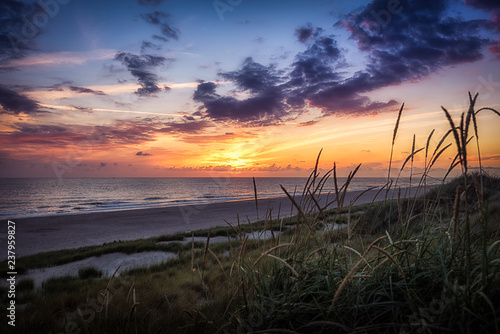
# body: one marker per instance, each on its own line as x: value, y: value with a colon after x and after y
x: 265, y: 104
x: 228, y: 168
x: 15, y: 103
x: 16, y: 31
x: 122, y: 132
x: 188, y: 126
x: 84, y: 109
x: 254, y: 77
x: 410, y: 43
x: 148, y: 45
x: 483, y: 4
x: 127, y: 132
x: 495, y: 22
x: 495, y: 49
x: 134, y: 131
x: 140, y: 153
x: 307, y: 32
x: 275, y: 168
x: 57, y: 59
x: 85, y: 90
x: 58, y: 87
x: 308, y: 123
x: 140, y: 67
x: 159, y: 19
x: 43, y: 134
x: 418, y: 38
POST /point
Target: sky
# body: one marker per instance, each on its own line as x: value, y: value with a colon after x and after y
x: 167, y: 88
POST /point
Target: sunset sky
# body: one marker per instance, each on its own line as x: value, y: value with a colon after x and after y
x: 149, y: 88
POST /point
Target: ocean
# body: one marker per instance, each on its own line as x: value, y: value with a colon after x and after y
x: 32, y: 197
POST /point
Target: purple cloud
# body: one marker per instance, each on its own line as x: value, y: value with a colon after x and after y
x: 14, y: 103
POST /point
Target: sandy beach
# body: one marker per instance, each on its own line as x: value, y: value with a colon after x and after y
x: 42, y: 234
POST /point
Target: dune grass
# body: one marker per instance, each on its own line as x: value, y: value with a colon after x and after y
x: 421, y: 264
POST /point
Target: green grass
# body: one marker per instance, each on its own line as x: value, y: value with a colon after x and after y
x: 427, y: 264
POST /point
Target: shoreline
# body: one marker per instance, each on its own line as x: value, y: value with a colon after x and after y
x: 50, y: 233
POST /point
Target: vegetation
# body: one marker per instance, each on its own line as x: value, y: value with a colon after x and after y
x: 421, y: 264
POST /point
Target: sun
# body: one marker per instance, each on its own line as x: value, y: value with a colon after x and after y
x: 234, y: 158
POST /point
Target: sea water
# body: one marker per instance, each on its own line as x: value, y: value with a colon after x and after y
x: 31, y: 197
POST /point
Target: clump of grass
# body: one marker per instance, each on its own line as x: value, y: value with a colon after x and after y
x: 63, y: 283
x: 89, y: 272
x: 25, y: 285
x: 418, y: 276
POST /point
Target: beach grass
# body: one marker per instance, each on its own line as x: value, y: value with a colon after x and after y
x: 408, y: 264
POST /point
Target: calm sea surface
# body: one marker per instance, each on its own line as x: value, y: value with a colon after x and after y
x: 41, y: 197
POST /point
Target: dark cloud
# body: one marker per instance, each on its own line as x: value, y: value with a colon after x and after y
x: 148, y: 45
x: 160, y: 19
x: 159, y: 38
x: 483, y: 4
x: 307, y: 32
x: 17, y: 32
x: 14, y: 103
x: 496, y: 21
x: 420, y: 33
x: 142, y: 154
x: 264, y: 106
x: 85, y: 90
x: 405, y: 41
x: 140, y: 67
x: 150, y: 2
x: 254, y: 77
x: 317, y: 66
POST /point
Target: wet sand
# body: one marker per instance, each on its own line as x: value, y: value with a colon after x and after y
x: 42, y: 234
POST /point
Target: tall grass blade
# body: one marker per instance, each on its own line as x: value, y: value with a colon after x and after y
x: 255, y: 196
x: 427, y: 145
x: 394, y: 140
x: 352, y: 272
x: 285, y: 263
x: 455, y: 133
